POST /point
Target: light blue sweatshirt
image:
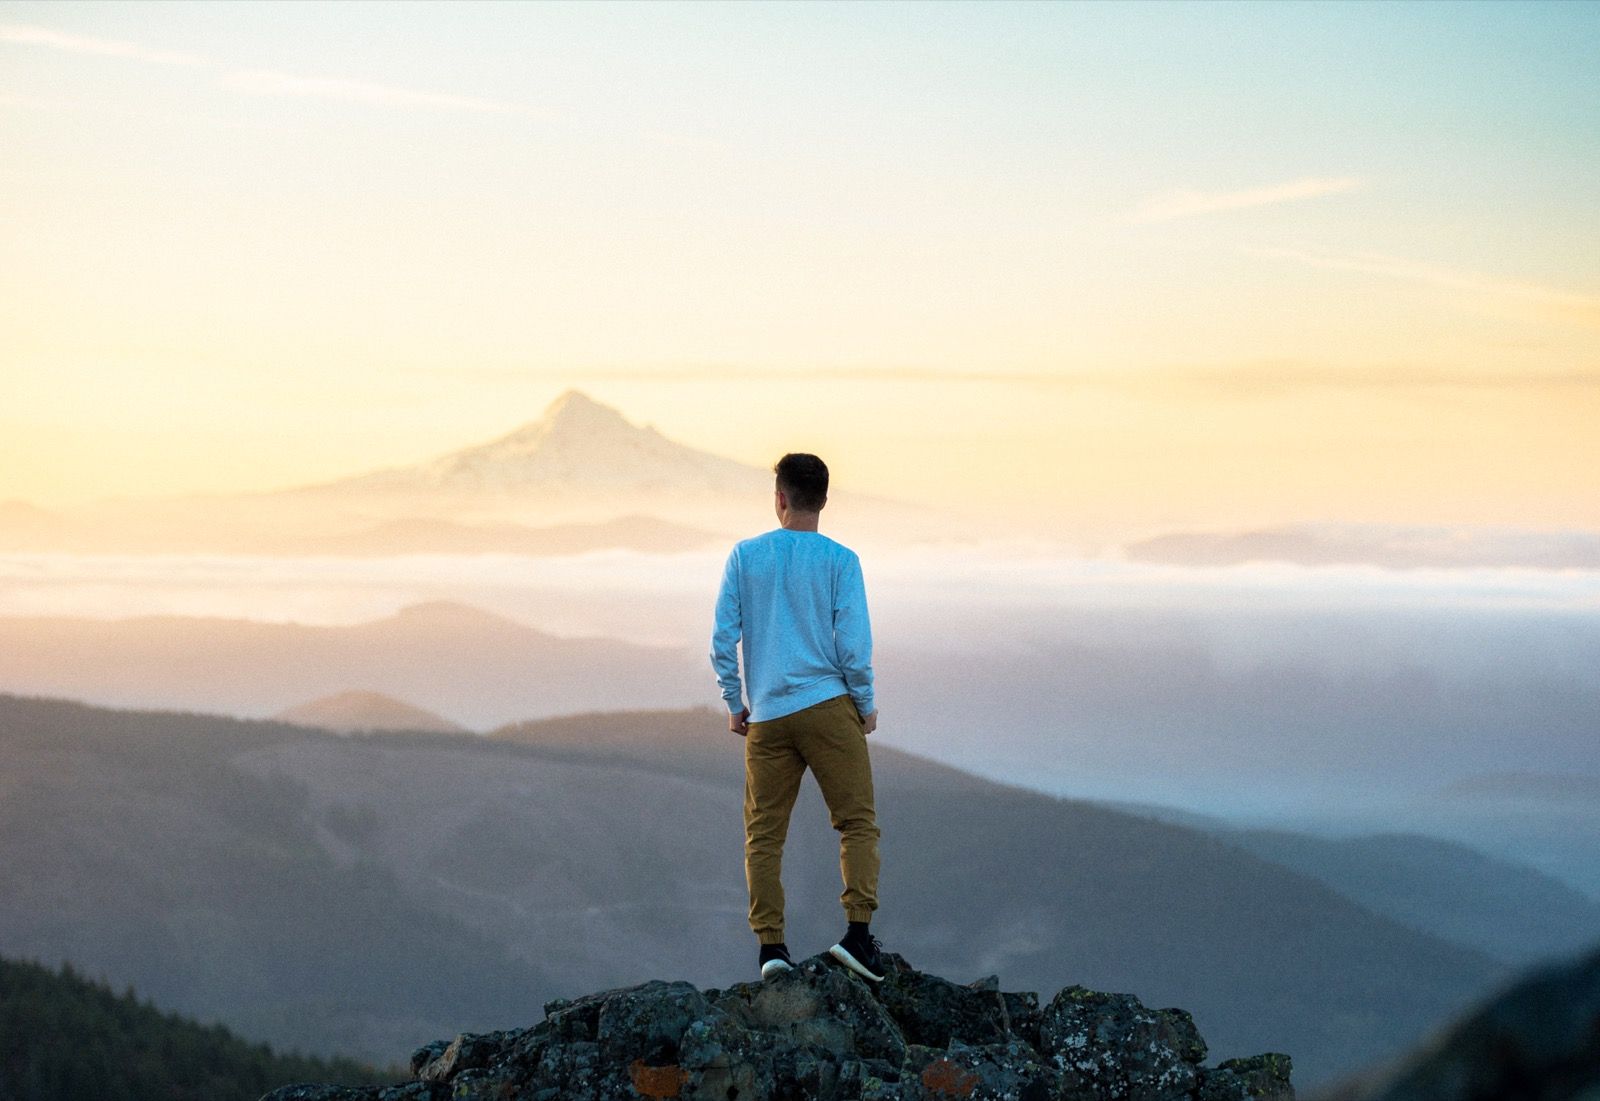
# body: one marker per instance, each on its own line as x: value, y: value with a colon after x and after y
x: 798, y: 601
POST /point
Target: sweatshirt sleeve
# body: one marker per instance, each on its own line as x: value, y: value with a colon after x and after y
x: 725, y: 636
x: 852, y: 634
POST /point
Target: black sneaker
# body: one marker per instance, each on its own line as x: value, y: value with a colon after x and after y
x: 775, y: 958
x: 859, y: 952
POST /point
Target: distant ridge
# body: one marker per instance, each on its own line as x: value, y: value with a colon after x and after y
x: 456, y: 659
x: 348, y: 712
x: 451, y: 614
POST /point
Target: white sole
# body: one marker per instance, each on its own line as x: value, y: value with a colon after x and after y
x: 840, y: 953
x: 774, y: 967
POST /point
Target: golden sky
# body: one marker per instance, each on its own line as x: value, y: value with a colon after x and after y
x: 1094, y: 268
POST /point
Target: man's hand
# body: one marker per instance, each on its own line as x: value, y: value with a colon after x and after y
x: 871, y: 721
x: 740, y: 723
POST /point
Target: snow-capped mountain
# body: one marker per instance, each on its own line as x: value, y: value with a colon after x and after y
x: 579, y: 477
x: 577, y: 444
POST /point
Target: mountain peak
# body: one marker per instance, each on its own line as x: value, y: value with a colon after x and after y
x: 577, y: 450
x: 359, y: 709
x: 575, y: 403
x: 579, y: 443
x: 451, y: 614
x: 572, y: 420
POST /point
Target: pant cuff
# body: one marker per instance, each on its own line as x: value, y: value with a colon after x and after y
x: 858, y: 913
x: 769, y: 936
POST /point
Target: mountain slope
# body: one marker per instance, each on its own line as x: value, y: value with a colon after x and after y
x: 132, y: 847
x: 251, y: 869
x: 69, y: 1038
x: 1513, y: 912
x: 1534, y: 1037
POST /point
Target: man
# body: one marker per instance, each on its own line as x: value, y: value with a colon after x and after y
x: 797, y: 601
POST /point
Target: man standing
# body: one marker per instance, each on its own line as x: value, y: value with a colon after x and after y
x: 797, y: 601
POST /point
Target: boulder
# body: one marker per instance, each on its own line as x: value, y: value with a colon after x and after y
x: 1112, y: 1046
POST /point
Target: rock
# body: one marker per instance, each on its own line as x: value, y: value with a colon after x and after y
x: 410, y: 1091
x: 1262, y: 1077
x: 821, y: 1033
x: 1009, y: 1071
x: 647, y: 1022
x: 818, y: 1003
x: 1110, y: 1045
x: 1023, y: 1016
x: 932, y: 1011
x: 468, y: 1051
x: 426, y: 1054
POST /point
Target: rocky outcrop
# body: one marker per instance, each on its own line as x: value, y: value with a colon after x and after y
x: 820, y: 1033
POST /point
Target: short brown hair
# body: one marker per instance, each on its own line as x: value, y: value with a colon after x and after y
x: 804, y: 480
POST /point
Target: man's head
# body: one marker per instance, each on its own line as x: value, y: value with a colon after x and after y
x: 803, y: 481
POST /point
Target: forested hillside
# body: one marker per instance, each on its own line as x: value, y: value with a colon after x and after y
x: 72, y: 1038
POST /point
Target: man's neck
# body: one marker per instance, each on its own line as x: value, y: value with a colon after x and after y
x: 800, y: 521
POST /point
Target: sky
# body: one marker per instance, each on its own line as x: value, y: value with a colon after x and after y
x: 1097, y: 268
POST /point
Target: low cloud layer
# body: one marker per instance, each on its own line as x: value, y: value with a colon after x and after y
x: 1392, y: 546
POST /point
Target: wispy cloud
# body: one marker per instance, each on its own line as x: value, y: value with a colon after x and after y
x: 1502, y: 295
x: 1271, y: 377
x: 1250, y: 379
x: 1187, y: 204
x: 23, y: 34
x: 262, y: 81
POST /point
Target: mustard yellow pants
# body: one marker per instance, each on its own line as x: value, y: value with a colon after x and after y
x: 830, y: 738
